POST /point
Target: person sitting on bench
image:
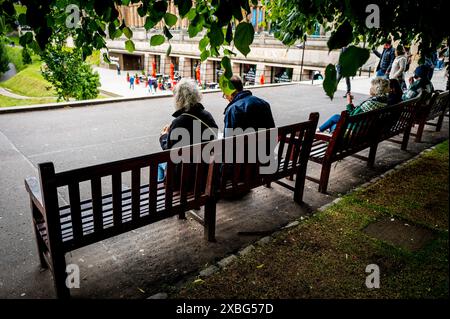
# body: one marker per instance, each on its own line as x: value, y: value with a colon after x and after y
x: 379, y: 91
x: 419, y: 83
x: 188, y: 113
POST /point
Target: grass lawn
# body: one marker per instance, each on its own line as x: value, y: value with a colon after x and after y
x: 29, y: 82
x: 7, y: 101
x: 327, y: 254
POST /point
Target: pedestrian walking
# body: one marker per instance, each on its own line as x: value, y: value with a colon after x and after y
x: 386, y: 59
x: 132, y: 82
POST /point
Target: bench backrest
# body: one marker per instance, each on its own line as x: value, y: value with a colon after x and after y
x: 289, y: 151
x: 110, y: 209
x: 355, y: 133
x: 438, y: 104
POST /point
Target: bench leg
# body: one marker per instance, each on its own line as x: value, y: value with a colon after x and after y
x: 210, y: 220
x: 372, y: 155
x: 269, y: 184
x: 439, y: 122
x: 420, y: 132
x: 182, y: 215
x: 41, y: 247
x: 405, y: 141
x: 324, y: 177
x: 60, y: 276
x: 299, y: 187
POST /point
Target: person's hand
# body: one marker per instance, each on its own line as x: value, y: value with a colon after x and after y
x: 411, y: 80
x: 165, y: 129
x: 349, y: 98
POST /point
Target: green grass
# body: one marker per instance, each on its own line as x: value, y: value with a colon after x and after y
x: 29, y: 82
x: 7, y: 101
x: 326, y: 255
x: 15, y: 57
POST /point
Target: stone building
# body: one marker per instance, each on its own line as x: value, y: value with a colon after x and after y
x: 268, y: 56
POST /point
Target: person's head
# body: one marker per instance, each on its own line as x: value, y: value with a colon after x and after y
x: 236, y: 81
x: 379, y: 87
x: 421, y: 72
x: 399, y: 50
x: 394, y: 86
x: 186, y: 94
x: 388, y: 43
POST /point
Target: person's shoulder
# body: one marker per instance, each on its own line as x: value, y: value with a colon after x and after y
x: 259, y: 100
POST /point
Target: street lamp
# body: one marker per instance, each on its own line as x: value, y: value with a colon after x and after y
x: 302, y: 46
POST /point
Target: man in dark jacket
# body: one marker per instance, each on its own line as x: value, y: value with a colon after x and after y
x: 246, y: 110
x: 387, y: 57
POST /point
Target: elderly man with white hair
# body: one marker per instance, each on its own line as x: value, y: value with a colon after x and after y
x: 379, y: 91
x: 189, y: 113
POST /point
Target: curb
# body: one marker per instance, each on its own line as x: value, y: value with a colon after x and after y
x: 53, y: 106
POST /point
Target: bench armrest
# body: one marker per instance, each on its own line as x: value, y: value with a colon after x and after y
x: 34, y: 190
x: 322, y: 137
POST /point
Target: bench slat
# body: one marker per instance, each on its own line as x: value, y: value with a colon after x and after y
x: 96, y: 191
x: 117, y: 198
x: 135, y: 192
x: 75, y: 209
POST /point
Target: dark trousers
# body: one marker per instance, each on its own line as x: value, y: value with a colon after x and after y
x: 347, y: 81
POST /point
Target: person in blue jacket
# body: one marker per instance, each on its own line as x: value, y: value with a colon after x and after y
x: 246, y: 110
x: 387, y: 57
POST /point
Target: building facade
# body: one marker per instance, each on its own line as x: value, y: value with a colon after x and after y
x: 268, y: 56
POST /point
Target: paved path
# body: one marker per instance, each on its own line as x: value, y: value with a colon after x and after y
x: 10, y: 94
x: 9, y: 74
x: 161, y: 253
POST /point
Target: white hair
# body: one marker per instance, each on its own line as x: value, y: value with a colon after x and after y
x: 379, y: 86
x: 186, y: 94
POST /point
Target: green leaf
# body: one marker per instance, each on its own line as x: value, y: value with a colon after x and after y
x: 170, y: 19
x: 341, y: 37
x: 203, y: 43
x: 149, y: 23
x: 106, y: 58
x: 237, y: 12
x: 243, y: 37
x: 191, y: 14
x: 226, y: 86
x: 167, y: 33
x: 184, y: 6
x: 127, y: 32
x: 215, y: 35
x: 129, y: 45
x: 204, y: 55
x: 26, y: 39
x: 229, y: 34
x: 330, y: 81
x: 226, y: 64
x: 156, y: 40
x: 169, y: 50
x: 352, y: 59
x: 229, y: 52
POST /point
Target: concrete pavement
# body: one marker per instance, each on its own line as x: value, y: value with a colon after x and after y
x: 156, y: 256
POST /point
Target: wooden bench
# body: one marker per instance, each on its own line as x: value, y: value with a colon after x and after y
x: 356, y: 133
x: 291, y: 155
x: 434, y: 107
x: 64, y: 227
x: 60, y: 229
x: 237, y: 176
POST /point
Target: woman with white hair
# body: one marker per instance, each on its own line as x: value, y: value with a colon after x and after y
x: 379, y: 91
x: 189, y: 114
